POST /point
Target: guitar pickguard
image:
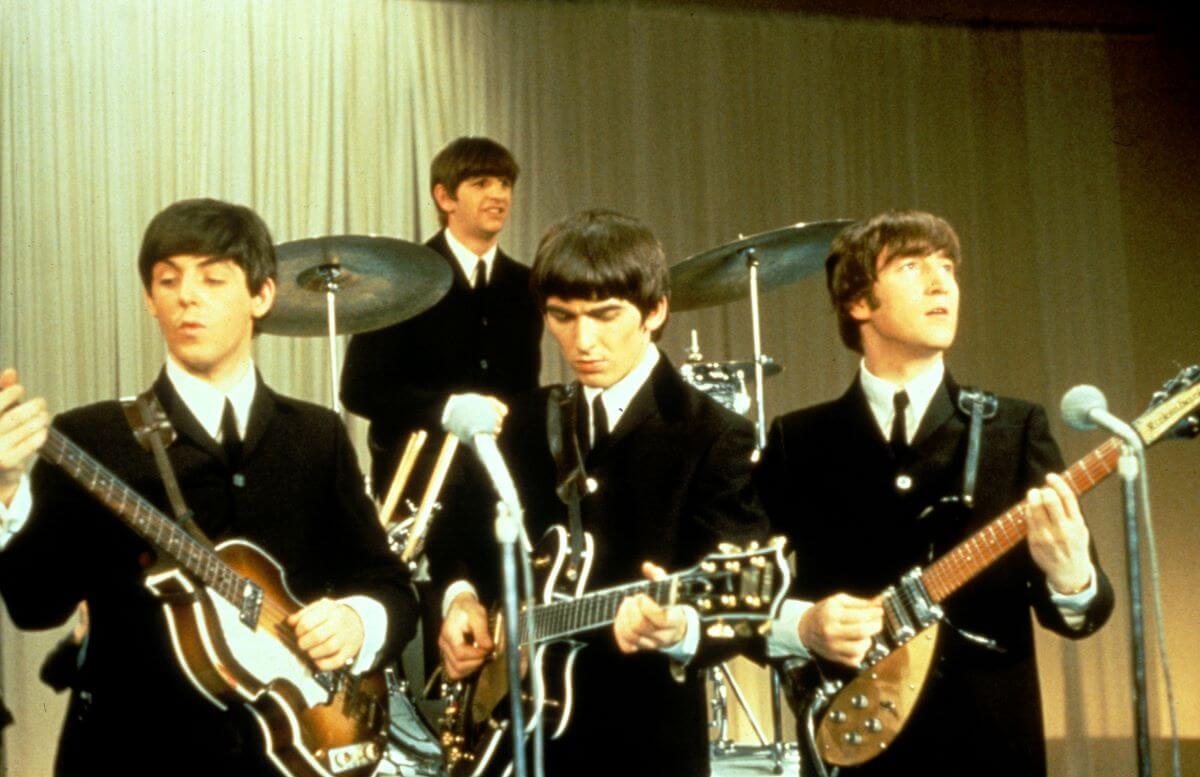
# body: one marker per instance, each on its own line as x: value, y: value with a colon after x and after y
x: 869, y: 712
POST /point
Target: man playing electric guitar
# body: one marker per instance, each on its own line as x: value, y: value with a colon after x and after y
x: 250, y: 463
x: 672, y: 476
x: 850, y: 481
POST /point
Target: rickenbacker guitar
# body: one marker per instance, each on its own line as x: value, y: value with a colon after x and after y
x: 227, y: 610
x: 733, y: 591
x: 856, y: 720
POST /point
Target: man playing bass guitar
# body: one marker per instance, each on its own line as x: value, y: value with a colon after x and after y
x: 250, y: 463
x: 850, y: 482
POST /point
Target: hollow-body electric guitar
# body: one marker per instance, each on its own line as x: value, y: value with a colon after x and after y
x: 227, y: 609
x: 853, y: 721
x: 733, y: 591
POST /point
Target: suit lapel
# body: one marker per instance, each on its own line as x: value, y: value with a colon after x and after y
x: 940, y: 410
x: 656, y: 398
x: 262, y: 409
x: 186, y: 425
x: 438, y: 243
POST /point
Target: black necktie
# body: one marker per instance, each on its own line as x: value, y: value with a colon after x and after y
x: 479, y: 277
x: 231, y: 442
x: 599, y: 423
x: 899, y: 440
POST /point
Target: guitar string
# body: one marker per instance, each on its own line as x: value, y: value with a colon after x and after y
x: 956, y: 567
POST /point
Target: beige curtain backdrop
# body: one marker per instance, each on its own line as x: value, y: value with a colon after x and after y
x: 1064, y: 159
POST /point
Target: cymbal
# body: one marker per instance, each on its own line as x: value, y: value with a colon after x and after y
x: 379, y: 281
x: 721, y: 275
x: 771, y: 368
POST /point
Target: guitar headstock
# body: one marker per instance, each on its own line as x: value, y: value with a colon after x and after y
x: 736, y: 590
x: 1173, y: 409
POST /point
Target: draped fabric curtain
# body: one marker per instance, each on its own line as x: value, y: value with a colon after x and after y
x: 707, y: 124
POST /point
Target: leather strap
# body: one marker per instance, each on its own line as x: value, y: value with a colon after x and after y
x: 561, y: 425
x: 153, y: 431
x: 979, y: 405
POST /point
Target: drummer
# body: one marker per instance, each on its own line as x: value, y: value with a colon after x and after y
x: 482, y: 338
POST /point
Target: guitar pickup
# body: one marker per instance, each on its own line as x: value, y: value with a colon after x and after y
x: 251, y: 606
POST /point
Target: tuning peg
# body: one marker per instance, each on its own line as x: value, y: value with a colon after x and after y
x: 728, y: 547
x: 720, y: 630
x: 779, y: 541
x: 753, y: 601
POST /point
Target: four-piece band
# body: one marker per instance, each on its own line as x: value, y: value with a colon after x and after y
x: 244, y: 604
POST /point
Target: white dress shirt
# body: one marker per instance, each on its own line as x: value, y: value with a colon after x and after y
x: 468, y: 260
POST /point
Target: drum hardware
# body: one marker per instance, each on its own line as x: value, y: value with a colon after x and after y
x: 367, y: 283
x: 413, y: 750
x: 723, y: 381
x: 731, y: 272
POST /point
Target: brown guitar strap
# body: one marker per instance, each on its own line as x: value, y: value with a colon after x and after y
x: 153, y: 431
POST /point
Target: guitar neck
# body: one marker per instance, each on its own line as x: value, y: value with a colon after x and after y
x: 591, y: 611
x: 143, y: 518
x: 976, y: 553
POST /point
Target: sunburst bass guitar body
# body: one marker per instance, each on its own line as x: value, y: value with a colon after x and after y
x: 227, y: 611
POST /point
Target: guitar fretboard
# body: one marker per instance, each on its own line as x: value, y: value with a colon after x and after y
x: 974, y: 554
x: 590, y: 611
x: 144, y: 518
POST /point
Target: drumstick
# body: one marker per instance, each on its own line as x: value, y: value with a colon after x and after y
x: 416, y: 537
x: 408, y: 460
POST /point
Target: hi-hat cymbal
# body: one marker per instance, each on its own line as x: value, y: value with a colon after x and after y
x: 378, y: 281
x: 745, y: 367
x: 722, y: 274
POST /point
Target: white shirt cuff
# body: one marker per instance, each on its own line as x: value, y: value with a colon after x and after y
x: 684, y: 650
x: 784, y: 637
x: 1073, y: 607
x: 13, y: 517
x: 453, y: 590
x: 375, y: 623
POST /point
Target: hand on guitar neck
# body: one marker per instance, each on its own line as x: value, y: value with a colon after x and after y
x: 643, y: 624
x: 1058, y: 536
x: 23, y: 430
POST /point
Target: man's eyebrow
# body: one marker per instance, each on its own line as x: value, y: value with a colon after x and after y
x: 215, y: 260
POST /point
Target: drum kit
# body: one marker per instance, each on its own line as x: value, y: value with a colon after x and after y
x: 347, y: 284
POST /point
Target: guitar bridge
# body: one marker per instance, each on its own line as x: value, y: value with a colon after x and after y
x: 908, y: 610
x: 251, y: 605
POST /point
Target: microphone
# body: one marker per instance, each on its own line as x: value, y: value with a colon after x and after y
x: 473, y: 419
x: 1084, y: 407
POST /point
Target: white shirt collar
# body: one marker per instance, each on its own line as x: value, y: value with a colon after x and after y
x: 616, y: 398
x: 207, y: 402
x: 880, y: 396
x: 467, y: 258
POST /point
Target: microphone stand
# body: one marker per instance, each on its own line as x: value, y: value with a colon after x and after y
x: 508, y: 530
x: 1129, y: 470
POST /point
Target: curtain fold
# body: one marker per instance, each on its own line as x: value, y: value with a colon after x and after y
x: 708, y: 124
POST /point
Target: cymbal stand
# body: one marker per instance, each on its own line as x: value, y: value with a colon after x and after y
x: 760, y: 428
x: 760, y: 425
x: 328, y: 278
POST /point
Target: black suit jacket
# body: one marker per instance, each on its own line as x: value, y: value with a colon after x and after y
x: 674, y: 480
x: 486, y: 340
x: 301, y: 499
x: 829, y: 482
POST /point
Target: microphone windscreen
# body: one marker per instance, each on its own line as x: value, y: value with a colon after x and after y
x: 1078, y: 404
x: 467, y: 415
